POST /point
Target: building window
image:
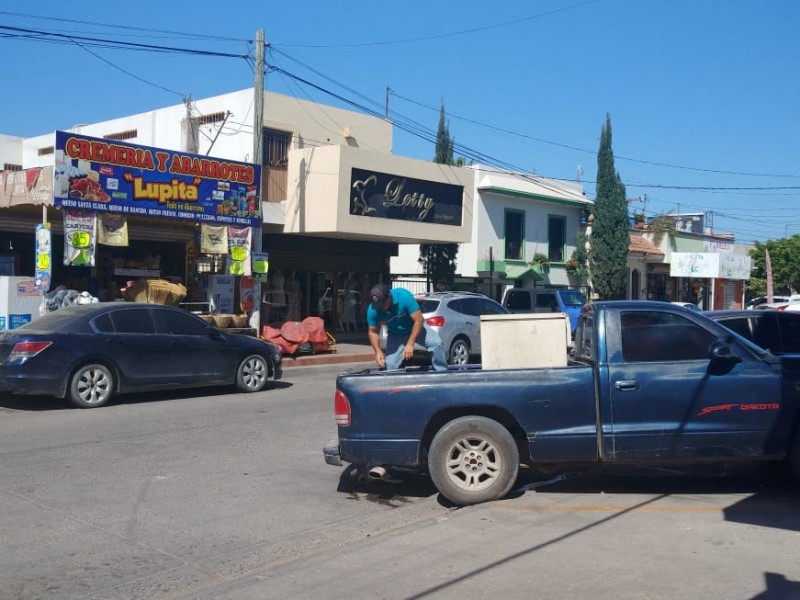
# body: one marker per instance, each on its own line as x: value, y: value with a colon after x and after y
x: 276, y: 159
x: 212, y: 118
x: 514, y: 234
x: 46, y: 150
x: 122, y: 135
x: 556, y: 238
x: 10, y: 167
x: 276, y: 147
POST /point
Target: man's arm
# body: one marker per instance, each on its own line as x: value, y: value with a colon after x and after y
x: 408, y: 350
x: 374, y: 341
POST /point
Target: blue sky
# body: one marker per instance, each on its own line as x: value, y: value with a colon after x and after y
x: 701, y: 93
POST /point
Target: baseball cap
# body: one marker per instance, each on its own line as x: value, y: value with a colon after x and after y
x: 378, y: 294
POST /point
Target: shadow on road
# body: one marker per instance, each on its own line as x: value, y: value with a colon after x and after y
x: 395, y: 490
x: 42, y: 403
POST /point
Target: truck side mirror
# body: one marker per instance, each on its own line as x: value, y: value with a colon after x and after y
x: 719, y: 350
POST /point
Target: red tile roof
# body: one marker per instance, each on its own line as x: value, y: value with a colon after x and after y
x: 639, y: 245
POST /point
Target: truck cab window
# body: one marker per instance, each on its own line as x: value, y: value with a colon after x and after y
x: 657, y: 336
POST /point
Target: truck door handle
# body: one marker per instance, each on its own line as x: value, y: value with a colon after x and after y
x: 627, y: 386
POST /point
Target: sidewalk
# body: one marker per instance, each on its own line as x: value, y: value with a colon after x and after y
x: 351, y: 347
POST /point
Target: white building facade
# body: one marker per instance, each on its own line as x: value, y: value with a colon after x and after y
x: 517, y: 219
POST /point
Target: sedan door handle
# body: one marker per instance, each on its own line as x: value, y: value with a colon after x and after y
x: 627, y: 386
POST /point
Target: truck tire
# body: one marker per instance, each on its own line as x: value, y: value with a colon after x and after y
x: 473, y: 460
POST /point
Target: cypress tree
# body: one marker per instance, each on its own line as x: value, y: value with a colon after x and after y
x: 610, y: 229
x: 439, y: 260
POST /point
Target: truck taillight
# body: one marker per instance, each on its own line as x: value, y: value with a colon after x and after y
x: 27, y: 350
x: 435, y: 321
x: 341, y: 408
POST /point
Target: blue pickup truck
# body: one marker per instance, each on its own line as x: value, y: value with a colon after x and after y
x: 648, y: 383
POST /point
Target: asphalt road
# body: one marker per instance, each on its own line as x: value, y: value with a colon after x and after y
x: 224, y: 495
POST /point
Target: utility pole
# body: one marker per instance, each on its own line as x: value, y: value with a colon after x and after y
x: 386, y: 110
x: 258, y: 158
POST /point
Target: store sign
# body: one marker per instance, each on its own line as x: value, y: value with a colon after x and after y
x: 127, y: 179
x: 29, y: 186
x: 709, y: 265
x: 374, y: 194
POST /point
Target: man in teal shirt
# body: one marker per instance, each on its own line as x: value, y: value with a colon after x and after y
x: 399, y: 311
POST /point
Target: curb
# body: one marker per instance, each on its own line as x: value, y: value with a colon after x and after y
x: 326, y: 359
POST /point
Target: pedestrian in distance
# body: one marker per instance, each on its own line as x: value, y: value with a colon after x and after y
x: 398, y: 310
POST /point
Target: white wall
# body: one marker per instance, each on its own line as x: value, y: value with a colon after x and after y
x: 320, y: 195
x: 10, y: 150
x: 313, y: 125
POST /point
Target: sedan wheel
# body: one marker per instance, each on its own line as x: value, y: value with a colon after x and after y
x: 252, y: 374
x: 459, y: 352
x: 91, y: 386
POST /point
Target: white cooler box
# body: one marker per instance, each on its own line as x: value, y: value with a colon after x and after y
x: 524, y: 341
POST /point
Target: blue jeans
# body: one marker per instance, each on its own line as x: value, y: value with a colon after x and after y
x: 427, y: 337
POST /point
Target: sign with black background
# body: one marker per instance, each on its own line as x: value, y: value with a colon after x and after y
x: 374, y: 194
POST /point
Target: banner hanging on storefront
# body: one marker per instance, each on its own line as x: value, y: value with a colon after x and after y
x: 127, y: 179
x: 240, y: 242
x: 80, y: 232
x: 113, y: 230
x: 44, y: 257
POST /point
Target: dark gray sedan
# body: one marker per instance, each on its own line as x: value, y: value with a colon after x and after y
x: 88, y: 353
x: 773, y: 330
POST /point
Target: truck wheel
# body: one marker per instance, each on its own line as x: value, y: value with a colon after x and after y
x: 252, y: 374
x: 91, y: 386
x: 472, y: 460
x: 459, y: 352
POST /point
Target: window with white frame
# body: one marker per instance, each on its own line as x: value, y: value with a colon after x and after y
x: 514, y: 234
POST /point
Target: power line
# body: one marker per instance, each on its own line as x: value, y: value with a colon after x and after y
x: 125, y: 27
x: 443, y: 35
x: 47, y: 36
x: 578, y: 149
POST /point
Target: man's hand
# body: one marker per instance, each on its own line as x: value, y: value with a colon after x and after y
x: 408, y: 351
x: 380, y: 359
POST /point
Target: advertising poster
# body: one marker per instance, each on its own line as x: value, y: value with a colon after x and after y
x: 260, y: 266
x: 113, y: 230
x: 239, y: 242
x: 213, y: 239
x: 79, y: 237
x: 128, y: 179
x: 44, y: 258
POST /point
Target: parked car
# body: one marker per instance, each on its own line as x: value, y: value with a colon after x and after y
x: 88, y: 353
x: 688, y: 305
x: 761, y: 302
x: 456, y: 317
x: 544, y: 300
x: 773, y: 330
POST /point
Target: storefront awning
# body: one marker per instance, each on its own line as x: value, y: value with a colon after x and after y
x: 29, y: 186
x: 522, y: 271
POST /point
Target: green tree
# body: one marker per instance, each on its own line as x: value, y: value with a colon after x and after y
x: 610, y: 228
x: 784, y: 255
x: 439, y: 260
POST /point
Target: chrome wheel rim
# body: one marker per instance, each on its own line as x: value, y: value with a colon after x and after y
x: 459, y: 354
x: 93, y: 386
x: 254, y: 373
